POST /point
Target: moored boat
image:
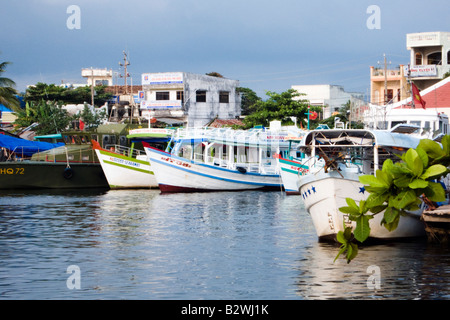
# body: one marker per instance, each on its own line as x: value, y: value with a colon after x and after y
x: 70, y: 166
x: 219, y: 159
x: 347, y: 154
x: 129, y: 167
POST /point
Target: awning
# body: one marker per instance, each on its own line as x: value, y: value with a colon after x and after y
x: 170, y: 121
x: 24, y: 147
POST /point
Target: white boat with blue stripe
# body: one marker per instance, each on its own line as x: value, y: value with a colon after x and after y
x: 219, y: 159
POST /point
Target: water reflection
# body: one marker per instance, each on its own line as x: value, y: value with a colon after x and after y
x: 139, y: 244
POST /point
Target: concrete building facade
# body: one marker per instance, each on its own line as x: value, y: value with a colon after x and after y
x: 430, y: 57
x: 330, y: 97
x: 192, y: 99
x: 388, y: 85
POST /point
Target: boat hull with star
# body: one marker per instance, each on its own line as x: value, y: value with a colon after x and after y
x: 349, y: 154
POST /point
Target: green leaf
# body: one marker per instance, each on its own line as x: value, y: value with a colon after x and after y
x: 434, y: 171
x: 435, y: 192
x: 377, y: 199
x: 362, y: 229
x: 403, y: 181
x: 423, y: 156
x: 414, y: 162
x: 341, y: 238
x: 341, y: 251
x: 390, y: 214
x: 432, y: 148
x: 418, y: 184
x: 352, y: 252
x: 372, y: 181
x: 349, y: 210
x: 403, y: 199
x: 352, y: 203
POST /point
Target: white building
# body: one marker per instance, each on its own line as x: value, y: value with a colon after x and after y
x: 430, y: 57
x: 191, y: 99
x: 330, y: 97
x: 98, y: 77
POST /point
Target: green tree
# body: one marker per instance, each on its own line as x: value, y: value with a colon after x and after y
x: 91, y: 119
x: 397, y: 189
x: 7, y: 92
x: 249, y: 98
x: 280, y: 106
x: 61, y: 95
x: 343, y: 115
x: 50, y: 117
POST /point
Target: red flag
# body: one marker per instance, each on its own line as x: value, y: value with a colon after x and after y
x: 81, y: 125
x: 417, y: 96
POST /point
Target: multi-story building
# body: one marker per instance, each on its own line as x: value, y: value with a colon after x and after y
x: 388, y: 85
x: 430, y: 57
x: 330, y: 97
x: 191, y: 99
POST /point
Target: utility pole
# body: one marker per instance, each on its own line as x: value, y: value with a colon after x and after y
x: 126, y: 75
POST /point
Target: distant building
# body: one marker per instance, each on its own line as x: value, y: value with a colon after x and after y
x: 430, y: 57
x: 330, y: 97
x: 98, y: 77
x: 388, y: 85
x: 191, y: 99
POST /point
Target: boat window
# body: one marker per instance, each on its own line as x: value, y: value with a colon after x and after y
x: 416, y: 123
x: 94, y: 137
x: 67, y: 140
x: 77, y: 140
x: 394, y: 123
x: 448, y: 57
x: 427, y: 124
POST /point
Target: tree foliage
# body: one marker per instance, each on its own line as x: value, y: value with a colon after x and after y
x: 51, y: 92
x: 279, y: 106
x: 7, y: 92
x: 50, y: 117
x: 396, y: 189
x: 249, y: 99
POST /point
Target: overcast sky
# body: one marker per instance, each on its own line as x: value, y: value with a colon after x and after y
x: 267, y: 45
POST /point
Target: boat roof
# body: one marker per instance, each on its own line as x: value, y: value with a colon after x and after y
x: 360, y: 137
x: 25, y: 147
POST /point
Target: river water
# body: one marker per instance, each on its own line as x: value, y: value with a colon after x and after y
x: 140, y: 244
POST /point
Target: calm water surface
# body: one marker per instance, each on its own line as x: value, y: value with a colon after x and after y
x: 140, y: 244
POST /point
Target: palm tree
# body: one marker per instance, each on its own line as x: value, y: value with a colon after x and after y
x: 7, y: 91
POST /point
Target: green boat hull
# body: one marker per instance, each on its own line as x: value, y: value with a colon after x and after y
x: 50, y: 175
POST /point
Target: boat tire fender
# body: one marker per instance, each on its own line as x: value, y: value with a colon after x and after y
x: 68, y: 173
x: 241, y: 169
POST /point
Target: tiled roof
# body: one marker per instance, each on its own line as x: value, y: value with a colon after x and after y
x: 436, y: 96
x: 224, y: 123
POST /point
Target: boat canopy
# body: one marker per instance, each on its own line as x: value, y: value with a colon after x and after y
x: 24, y: 147
x: 355, y: 137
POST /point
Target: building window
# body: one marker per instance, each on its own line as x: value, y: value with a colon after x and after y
x: 201, y: 96
x: 224, y: 97
x: 180, y: 96
x: 390, y: 95
x: 162, y: 95
x: 448, y: 57
x: 418, y: 59
x: 435, y: 58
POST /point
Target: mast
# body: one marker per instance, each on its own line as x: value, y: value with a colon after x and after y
x: 410, y: 87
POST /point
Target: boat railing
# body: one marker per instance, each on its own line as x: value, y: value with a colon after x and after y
x: 125, y: 151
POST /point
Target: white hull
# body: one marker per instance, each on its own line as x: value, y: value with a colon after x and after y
x: 323, y: 195
x: 176, y: 174
x: 126, y: 172
x: 291, y: 171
